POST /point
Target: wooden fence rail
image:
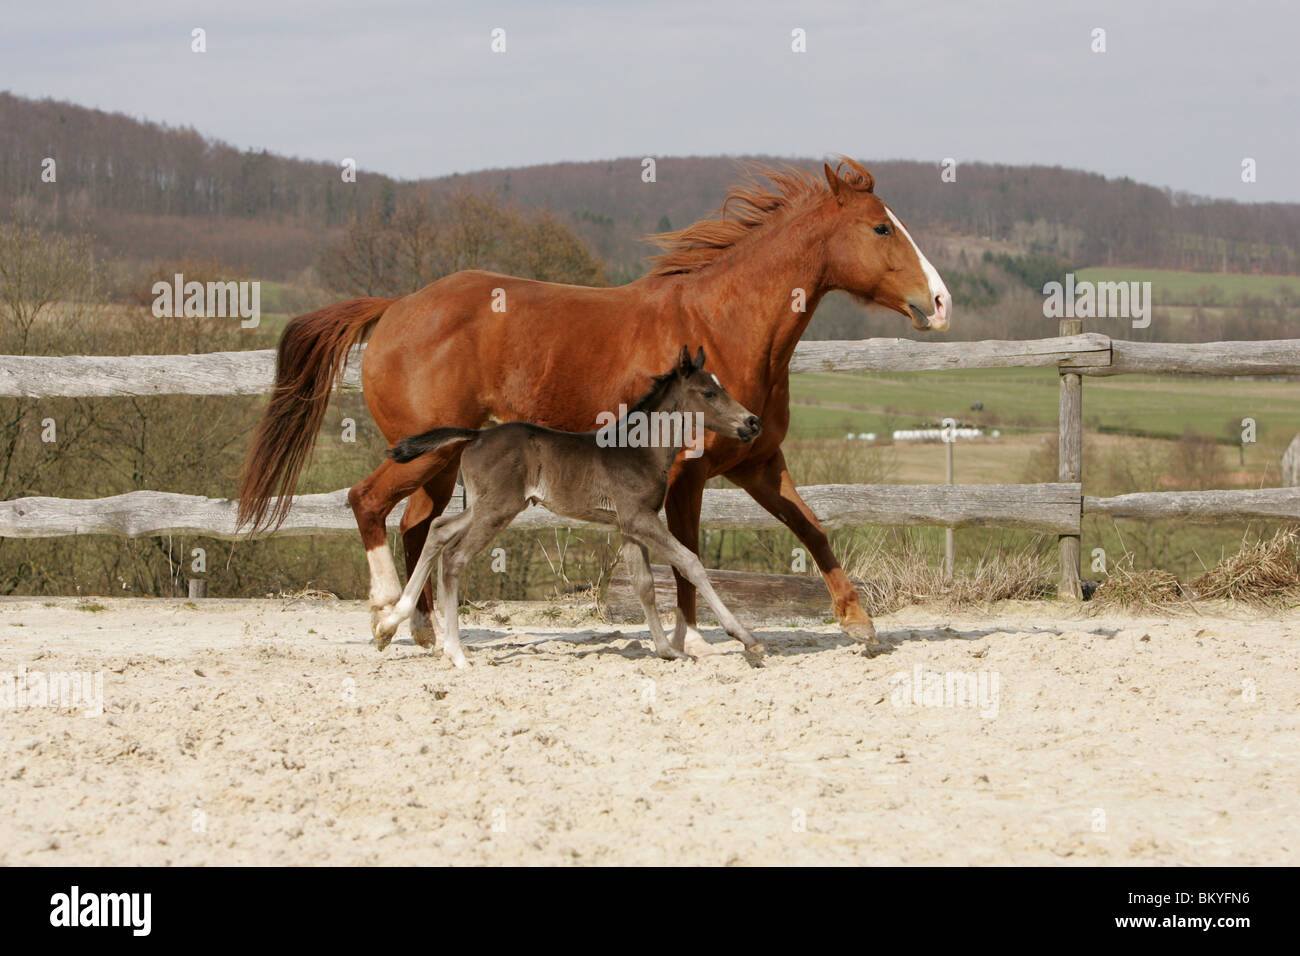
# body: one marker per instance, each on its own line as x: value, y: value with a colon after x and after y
x: 253, y: 372
x: 1052, y: 508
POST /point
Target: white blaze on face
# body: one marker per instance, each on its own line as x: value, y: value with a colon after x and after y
x: 940, y: 299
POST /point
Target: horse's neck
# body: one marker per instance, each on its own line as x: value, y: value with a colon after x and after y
x: 762, y: 295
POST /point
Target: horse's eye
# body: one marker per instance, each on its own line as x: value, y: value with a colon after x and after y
x: 884, y: 230
x: 710, y: 394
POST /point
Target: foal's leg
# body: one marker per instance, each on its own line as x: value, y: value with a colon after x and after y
x: 372, y: 499
x: 649, y: 531
x: 415, y: 530
x: 643, y: 583
x: 444, y: 532
x: 682, y: 508
x: 423, y: 506
x: 489, y: 519
x: 769, y: 483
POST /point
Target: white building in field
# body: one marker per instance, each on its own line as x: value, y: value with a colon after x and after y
x: 1291, y: 464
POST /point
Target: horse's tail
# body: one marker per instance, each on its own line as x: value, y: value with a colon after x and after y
x: 416, y: 445
x: 311, y: 356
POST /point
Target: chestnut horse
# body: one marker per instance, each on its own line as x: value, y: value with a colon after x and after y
x: 478, y: 347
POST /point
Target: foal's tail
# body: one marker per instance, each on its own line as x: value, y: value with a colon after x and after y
x: 313, y: 350
x: 413, y: 447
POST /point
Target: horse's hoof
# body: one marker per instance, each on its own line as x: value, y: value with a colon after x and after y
x: 756, y: 650
x: 864, y: 632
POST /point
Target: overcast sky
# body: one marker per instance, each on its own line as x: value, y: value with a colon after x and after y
x: 1184, y: 91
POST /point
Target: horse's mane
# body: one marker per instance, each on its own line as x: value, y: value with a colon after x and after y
x: 748, y: 205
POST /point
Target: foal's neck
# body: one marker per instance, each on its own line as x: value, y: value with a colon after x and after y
x: 663, y: 456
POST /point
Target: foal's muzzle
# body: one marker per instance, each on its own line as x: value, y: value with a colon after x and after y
x: 750, y: 429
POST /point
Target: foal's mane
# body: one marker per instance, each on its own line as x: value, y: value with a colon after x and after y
x: 748, y: 206
x: 648, y: 401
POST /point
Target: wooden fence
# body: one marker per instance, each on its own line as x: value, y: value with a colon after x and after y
x: 1055, y: 508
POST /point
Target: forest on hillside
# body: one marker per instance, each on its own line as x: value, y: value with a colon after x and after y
x: 147, y: 197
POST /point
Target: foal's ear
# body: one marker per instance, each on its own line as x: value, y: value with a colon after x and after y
x: 684, y: 366
x: 699, y: 359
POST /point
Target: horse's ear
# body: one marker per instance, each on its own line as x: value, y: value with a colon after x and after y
x: 866, y: 182
x: 839, y: 188
x: 699, y: 358
x: 684, y: 361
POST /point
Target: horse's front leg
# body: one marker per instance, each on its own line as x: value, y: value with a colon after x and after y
x: 682, y: 509
x: 769, y: 483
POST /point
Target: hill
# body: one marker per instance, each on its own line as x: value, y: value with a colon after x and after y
x: 153, y: 193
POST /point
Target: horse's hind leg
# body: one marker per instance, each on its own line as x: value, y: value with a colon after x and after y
x: 372, y: 500
x: 643, y: 583
x: 422, y: 508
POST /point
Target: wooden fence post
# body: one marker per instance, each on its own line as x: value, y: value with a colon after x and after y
x: 1070, y: 463
x: 949, y: 558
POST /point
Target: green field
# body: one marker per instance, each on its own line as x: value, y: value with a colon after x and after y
x: 829, y: 404
x: 1172, y: 287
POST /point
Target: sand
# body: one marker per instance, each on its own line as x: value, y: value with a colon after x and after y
x: 271, y: 732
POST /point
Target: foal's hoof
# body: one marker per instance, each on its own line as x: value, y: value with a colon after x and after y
x: 382, y: 627
x: 696, y: 647
x: 751, y: 643
x: 756, y: 650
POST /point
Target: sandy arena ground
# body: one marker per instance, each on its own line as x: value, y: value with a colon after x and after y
x: 271, y: 732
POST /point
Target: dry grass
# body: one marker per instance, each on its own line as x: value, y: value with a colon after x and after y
x: 891, y: 578
x: 1264, y: 573
x: 1132, y: 590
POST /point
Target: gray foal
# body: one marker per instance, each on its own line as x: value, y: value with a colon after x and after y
x: 580, y: 475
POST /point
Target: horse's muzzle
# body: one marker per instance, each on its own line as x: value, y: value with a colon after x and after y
x: 750, y: 429
x: 934, y: 320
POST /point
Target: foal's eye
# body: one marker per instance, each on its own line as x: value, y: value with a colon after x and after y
x: 884, y: 229
x: 710, y: 394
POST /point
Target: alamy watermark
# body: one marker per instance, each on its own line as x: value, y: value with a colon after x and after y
x: 129, y: 910
x: 922, y: 688
x: 218, y: 300
x: 1084, y: 299
x: 57, y: 689
x: 638, y: 429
